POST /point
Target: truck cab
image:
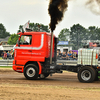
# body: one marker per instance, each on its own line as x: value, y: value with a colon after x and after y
x: 32, y: 54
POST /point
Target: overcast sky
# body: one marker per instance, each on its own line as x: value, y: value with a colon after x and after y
x: 17, y: 12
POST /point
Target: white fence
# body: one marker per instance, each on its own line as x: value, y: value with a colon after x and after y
x: 6, y: 62
x: 62, y: 62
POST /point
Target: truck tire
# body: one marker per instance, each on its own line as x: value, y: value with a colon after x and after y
x: 86, y: 74
x: 31, y: 72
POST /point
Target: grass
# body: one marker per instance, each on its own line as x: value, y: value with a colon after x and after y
x: 5, y: 66
x: 98, y: 71
x: 0, y: 58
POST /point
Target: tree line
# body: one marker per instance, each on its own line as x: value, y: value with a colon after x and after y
x: 14, y: 37
x: 3, y: 32
x: 75, y: 35
x: 35, y: 27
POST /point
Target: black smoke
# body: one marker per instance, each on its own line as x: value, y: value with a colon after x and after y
x: 56, y: 11
x: 94, y: 6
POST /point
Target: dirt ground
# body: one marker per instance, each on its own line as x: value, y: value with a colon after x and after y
x: 65, y: 86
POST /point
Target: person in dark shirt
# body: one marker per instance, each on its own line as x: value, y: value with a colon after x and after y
x: 75, y: 56
x: 8, y: 55
x: 2, y: 54
x: 63, y: 56
x: 60, y: 54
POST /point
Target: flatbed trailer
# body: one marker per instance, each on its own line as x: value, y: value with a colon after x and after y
x: 69, y: 65
x: 85, y: 73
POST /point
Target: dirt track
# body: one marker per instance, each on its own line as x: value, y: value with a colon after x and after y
x: 14, y: 86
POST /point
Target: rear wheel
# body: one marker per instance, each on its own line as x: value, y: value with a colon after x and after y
x: 31, y: 71
x: 86, y: 74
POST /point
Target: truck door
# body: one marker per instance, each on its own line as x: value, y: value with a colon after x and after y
x: 38, y: 51
x: 24, y: 51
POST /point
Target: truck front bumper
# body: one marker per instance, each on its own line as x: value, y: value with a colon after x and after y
x: 18, y: 68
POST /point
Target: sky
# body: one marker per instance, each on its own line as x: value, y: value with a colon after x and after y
x: 17, y: 12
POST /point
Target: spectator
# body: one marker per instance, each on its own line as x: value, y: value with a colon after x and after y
x: 57, y: 51
x: 70, y: 55
x: 2, y: 54
x: 75, y: 56
x: 11, y: 53
x: 60, y: 54
x: 67, y: 57
x: 8, y: 54
x: 63, y: 56
x: 57, y: 54
x: 5, y: 55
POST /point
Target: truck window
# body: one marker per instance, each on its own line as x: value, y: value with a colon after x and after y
x: 26, y: 39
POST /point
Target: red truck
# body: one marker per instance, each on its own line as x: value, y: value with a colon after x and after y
x: 32, y: 54
x: 32, y: 57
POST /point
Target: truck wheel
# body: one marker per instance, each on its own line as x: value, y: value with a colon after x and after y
x: 31, y: 71
x: 86, y: 74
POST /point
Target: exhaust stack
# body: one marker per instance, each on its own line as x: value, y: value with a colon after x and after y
x: 51, y: 47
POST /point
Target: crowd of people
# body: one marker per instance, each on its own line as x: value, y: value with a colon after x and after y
x: 8, y: 55
x: 67, y: 55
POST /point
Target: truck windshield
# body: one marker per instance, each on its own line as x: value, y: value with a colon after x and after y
x: 25, y: 39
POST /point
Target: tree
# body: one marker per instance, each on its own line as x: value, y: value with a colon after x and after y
x: 3, y: 33
x: 94, y: 33
x: 64, y: 35
x: 13, y: 39
x: 77, y: 34
x: 20, y: 28
x: 36, y: 27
